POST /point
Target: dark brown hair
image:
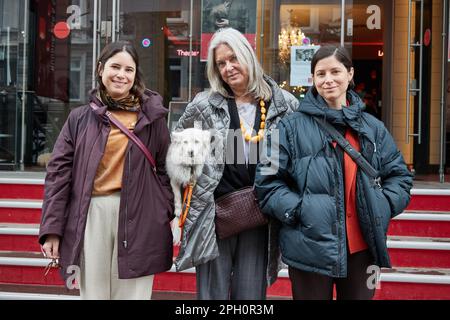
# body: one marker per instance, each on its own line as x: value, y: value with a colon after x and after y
x: 111, y: 50
x: 340, y: 53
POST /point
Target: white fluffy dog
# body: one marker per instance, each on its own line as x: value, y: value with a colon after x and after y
x: 186, y: 156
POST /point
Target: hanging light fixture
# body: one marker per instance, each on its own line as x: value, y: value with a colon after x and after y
x: 288, y: 37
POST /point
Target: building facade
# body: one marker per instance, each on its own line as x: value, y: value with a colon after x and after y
x: 48, y: 50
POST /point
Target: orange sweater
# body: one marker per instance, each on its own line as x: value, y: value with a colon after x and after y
x: 355, y: 239
x: 108, y: 178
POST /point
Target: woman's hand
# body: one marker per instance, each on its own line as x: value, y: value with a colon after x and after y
x: 50, y: 248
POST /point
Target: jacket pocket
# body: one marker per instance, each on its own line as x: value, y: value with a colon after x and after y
x: 378, y: 205
x: 317, y: 217
x: 383, y: 210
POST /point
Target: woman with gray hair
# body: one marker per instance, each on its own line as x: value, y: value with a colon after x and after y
x: 241, y: 100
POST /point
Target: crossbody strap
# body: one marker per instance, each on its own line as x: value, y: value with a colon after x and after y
x: 130, y: 135
x: 354, y: 154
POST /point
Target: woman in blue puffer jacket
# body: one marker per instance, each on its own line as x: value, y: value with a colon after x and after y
x: 334, y: 219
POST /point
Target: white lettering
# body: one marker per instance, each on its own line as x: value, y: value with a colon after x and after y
x: 74, y: 21
x: 373, y: 281
x: 374, y: 21
x: 183, y: 53
x: 186, y: 310
x: 75, y: 275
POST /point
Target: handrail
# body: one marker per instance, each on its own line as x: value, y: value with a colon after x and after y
x: 408, y: 74
x: 24, y: 86
x: 418, y: 89
x: 419, y: 133
x: 445, y: 8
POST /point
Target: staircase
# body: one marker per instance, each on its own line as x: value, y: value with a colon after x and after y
x: 418, y: 242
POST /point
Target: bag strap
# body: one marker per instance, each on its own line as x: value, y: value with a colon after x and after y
x: 354, y: 154
x: 130, y: 135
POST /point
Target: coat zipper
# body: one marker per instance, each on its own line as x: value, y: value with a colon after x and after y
x: 339, y: 232
x: 337, y: 191
x: 125, y: 242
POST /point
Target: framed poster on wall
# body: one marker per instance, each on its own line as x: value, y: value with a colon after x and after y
x: 301, y: 57
x: 217, y: 14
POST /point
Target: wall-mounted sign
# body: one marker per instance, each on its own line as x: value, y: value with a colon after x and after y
x: 61, y: 30
x: 301, y: 57
x: 374, y: 20
x: 74, y: 20
x: 183, y: 53
x: 349, y: 27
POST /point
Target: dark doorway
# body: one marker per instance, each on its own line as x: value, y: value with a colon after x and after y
x: 368, y: 76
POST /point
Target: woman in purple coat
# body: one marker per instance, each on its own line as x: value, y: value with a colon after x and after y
x: 106, y: 214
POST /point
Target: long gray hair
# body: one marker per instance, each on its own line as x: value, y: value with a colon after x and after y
x: 245, y: 55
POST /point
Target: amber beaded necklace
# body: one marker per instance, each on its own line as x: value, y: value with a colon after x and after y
x: 262, y: 125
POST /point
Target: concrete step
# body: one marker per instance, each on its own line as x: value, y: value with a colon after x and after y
x: 27, y: 268
x: 19, y: 237
x: 419, y: 252
x: 36, y: 292
x: 427, y: 252
x: 31, y: 186
x: 409, y: 223
x: 17, y: 189
x: 20, y: 211
x: 414, y: 284
x: 421, y: 224
x: 429, y: 199
x: 40, y: 292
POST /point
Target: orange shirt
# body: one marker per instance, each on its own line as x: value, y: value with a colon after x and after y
x: 355, y: 239
x: 108, y: 178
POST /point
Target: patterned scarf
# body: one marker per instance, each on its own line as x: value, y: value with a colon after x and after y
x: 129, y: 103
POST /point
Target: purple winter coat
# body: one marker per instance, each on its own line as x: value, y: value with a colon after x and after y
x: 144, y: 234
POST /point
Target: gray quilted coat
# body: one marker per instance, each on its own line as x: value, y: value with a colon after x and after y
x: 210, y: 112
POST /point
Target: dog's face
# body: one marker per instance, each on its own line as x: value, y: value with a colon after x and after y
x: 192, y: 146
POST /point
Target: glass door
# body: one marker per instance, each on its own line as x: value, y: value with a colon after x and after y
x: 12, y: 53
x: 364, y: 26
x: 48, y: 51
x: 47, y: 58
x: 290, y: 43
x: 168, y: 45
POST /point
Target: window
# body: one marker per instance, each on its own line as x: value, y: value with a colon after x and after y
x: 76, y: 80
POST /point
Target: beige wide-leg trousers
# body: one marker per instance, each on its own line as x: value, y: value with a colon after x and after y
x: 99, y: 277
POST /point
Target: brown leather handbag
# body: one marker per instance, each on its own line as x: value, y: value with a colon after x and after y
x: 238, y: 211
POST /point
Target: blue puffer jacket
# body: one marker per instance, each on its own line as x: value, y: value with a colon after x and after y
x: 306, y: 190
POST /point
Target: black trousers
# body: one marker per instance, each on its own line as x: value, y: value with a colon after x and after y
x: 314, y: 286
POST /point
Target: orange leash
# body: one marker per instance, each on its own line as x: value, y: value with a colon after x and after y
x: 187, y: 195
